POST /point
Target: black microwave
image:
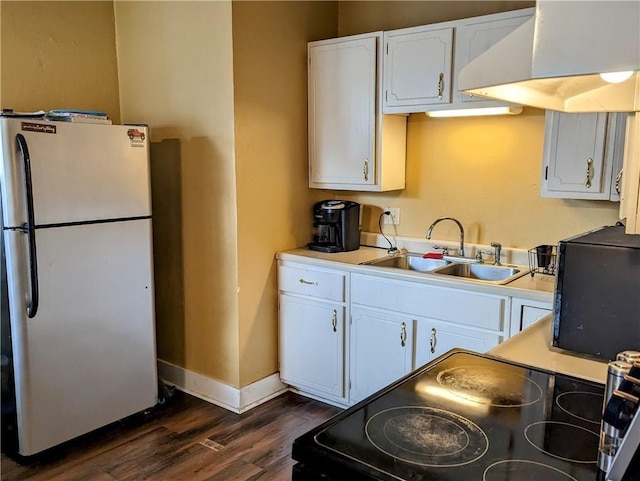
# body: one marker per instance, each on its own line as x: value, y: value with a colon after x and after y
x: 596, y: 310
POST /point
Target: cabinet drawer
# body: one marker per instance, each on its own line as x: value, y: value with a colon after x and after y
x: 452, y: 305
x: 323, y: 284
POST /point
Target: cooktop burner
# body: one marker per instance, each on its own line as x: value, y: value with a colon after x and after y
x: 564, y: 441
x: 426, y: 436
x: 494, y: 386
x: 582, y: 405
x: 464, y: 416
x: 523, y: 470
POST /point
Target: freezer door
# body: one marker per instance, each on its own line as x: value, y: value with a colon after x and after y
x: 88, y: 356
x: 80, y: 172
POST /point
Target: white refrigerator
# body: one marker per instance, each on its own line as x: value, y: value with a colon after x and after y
x: 77, y: 281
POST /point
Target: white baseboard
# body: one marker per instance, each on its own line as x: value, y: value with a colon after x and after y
x: 237, y: 400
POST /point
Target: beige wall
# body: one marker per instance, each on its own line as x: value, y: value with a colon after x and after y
x: 182, y: 72
x: 269, y: 52
x: 176, y: 73
x: 484, y: 171
x: 60, y: 55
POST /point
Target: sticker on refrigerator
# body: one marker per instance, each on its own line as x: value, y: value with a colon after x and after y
x: 42, y: 128
x: 137, y: 137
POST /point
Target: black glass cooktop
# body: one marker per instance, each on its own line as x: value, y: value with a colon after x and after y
x: 465, y: 416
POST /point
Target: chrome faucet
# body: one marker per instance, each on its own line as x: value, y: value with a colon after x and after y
x: 498, y: 248
x: 440, y: 219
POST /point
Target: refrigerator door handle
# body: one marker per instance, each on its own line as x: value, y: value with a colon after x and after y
x: 29, y: 227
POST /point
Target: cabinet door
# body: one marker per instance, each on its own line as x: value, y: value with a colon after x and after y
x: 312, y: 346
x: 435, y: 338
x: 615, y: 149
x: 525, y: 312
x: 574, y: 156
x: 532, y: 314
x: 630, y: 201
x: 476, y: 36
x: 417, y: 68
x: 342, y: 111
x: 381, y: 350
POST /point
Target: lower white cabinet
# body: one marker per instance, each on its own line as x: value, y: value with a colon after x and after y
x: 345, y: 336
x: 313, y: 332
x: 525, y: 312
x: 312, y: 345
x: 397, y: 326
x: 433, y: 338
x: 381, y: 350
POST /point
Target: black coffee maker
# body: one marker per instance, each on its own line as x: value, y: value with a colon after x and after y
x: 336, y: 226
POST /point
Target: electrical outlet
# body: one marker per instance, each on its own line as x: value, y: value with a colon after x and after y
x: 394, y: 217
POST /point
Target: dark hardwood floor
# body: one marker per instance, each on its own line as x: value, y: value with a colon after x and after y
x: 186, y: 439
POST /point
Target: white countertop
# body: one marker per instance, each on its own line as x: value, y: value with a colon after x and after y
x: 539, y: 287
x: 533, y: 347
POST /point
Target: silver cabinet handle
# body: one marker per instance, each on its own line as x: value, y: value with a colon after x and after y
x: 440, y: 85
x: 365, y: 170
x: 310, y: 283
x: 619, y: 182
x: 433, y: 340
x: 403, y: 334
x: 589, y: 172
x: 334, y: 320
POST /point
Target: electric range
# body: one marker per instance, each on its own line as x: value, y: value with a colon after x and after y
x: 464, y: 416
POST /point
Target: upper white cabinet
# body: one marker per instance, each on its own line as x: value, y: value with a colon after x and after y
x: 630, y: 197
x: 352, y: 146
x: 421, y: 64
x: 417, y: 68
x: 475, y: 36
x: 582, y: 155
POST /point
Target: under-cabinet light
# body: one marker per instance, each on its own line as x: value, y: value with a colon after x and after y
x: 473, y: 112
x: 616, y: 77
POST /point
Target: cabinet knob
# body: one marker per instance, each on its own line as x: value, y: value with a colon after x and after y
x: 433, y: 340
x: 309, y: 283
x: 334, y: 321
x: 365, y: 170
x: 589, y: 173
x: 440, y: 85
x: 403, y: 334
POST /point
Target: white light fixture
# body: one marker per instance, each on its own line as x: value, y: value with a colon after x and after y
x: 475, y: 112
x: 616, y: 77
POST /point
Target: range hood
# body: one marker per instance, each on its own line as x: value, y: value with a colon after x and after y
x: 554, y: 60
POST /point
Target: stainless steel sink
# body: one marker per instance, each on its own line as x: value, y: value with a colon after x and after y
x: 409, y: 261
x: 482, y: 272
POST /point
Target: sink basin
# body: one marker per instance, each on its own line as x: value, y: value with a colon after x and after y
x: 409, y: 261
x: 482, y: 272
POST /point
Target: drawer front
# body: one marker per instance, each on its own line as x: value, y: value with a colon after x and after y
x: 323, y: 284
x: 451, y: 305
